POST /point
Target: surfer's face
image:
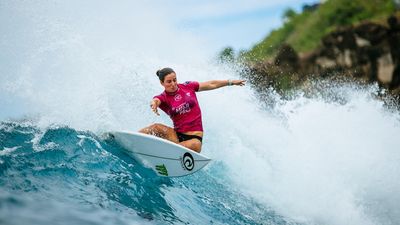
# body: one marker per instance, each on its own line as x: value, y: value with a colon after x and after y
x: 170, y: 84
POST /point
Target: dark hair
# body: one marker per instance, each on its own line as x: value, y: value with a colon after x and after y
x: 161, y: 73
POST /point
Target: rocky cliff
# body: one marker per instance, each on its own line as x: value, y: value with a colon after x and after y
x: 367, y: 51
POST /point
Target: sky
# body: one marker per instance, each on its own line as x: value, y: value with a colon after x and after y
x: 235, y: 23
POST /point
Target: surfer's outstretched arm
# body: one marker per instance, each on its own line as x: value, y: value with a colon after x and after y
x: 214, y: 84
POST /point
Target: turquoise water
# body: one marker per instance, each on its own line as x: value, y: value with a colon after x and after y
x: 65, y: 176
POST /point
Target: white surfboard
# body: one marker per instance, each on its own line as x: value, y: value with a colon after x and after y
x: 164, y: 157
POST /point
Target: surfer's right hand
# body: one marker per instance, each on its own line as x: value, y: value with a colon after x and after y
x: 154, y: 105
x: 154, y: 108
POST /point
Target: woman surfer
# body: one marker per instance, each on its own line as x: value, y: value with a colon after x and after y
x: 179, y: 101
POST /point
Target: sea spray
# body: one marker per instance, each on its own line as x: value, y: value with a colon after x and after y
x: 319, y: 160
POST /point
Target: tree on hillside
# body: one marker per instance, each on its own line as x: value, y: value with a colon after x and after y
x: 227, y: 55
x: 288, y: 15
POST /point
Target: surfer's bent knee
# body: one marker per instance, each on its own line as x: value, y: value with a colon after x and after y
x: 193, y: 144
x: 197, y: 146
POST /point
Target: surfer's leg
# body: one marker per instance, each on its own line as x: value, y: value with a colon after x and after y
x: 193, y: 144
x: 162, y: 131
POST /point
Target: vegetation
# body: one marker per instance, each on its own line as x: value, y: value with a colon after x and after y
x: 303, y: 31
x: 227, y: 55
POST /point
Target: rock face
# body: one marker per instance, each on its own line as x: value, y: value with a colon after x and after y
x: 367, y: 51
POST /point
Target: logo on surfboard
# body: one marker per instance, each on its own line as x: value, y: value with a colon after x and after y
x: 188, y: 161
x: 162, y: 170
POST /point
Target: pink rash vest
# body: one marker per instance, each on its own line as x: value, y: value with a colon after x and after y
x: 183, y: 108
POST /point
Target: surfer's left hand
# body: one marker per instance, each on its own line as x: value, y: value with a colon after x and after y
x: 238, y: 82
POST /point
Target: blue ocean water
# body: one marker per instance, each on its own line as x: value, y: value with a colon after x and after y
x: 65, y: 176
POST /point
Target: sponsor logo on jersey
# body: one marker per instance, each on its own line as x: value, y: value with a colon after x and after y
x: 177, y: 97
x: 182, y: 108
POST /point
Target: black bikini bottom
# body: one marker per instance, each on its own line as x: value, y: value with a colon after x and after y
x: 185, y: 137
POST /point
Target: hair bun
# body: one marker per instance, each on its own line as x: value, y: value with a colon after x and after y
x: 161, y: 73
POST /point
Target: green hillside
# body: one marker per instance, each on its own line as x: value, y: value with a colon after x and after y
x: 303, y: 31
